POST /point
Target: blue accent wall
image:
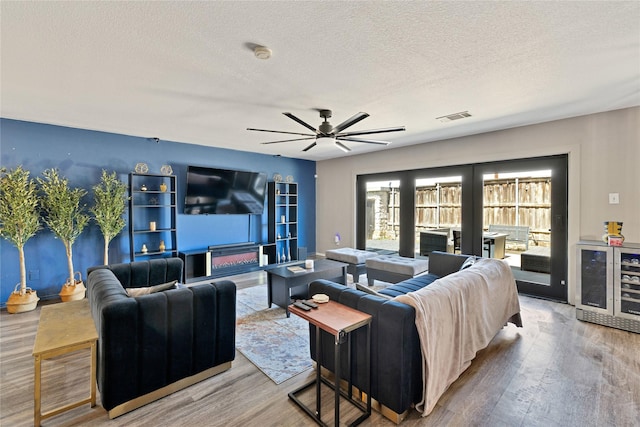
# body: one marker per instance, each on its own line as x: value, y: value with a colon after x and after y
x: 80, y: 155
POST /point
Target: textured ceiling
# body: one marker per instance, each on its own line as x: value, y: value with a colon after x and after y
x: 185, y: 71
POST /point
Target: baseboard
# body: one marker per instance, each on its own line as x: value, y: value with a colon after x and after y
x: 136, y: 403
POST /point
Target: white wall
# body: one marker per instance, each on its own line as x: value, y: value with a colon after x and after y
x: 604, y: 157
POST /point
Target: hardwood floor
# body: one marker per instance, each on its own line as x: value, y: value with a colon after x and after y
x: 556, y: 371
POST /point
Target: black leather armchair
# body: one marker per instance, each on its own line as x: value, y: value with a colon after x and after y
x: 153, y: 345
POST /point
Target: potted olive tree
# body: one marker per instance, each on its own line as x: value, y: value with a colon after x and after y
x: 65, y: 216
x: 109, y: 206
x: 19, y: 221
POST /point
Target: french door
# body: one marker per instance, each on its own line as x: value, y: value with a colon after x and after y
x: 526, y: 200
x: 382, y: 216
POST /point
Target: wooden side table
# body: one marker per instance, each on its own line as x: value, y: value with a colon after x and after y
x: 63, y: 328
x: 338, y: 320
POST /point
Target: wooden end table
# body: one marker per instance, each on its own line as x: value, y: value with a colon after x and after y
x: 338, y: 320
x: 63, y: 328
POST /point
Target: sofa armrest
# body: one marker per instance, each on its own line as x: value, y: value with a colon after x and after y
x: 442, y: 263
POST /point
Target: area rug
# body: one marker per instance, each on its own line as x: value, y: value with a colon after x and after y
x: 277, y: 345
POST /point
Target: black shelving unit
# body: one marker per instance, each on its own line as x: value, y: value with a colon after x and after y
x: 152, y: 204
x: 282, y: 246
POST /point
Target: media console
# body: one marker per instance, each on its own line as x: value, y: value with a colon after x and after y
x: 221, y: 260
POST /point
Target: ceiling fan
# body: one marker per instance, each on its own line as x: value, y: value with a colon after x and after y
x: 332, y: 134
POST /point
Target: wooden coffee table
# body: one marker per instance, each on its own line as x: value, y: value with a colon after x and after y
x: 339, y: 321
x: 281, y: 280
x: 63, y: 328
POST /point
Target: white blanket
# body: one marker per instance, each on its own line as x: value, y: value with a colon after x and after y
x: 458, y: 315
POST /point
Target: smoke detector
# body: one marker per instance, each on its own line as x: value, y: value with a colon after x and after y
x: 262, y: 52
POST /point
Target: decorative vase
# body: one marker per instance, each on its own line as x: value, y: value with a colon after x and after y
x: 288, y: 254
x: 612, y: 229
x: 284, y: 258
x: 72, y: 291
x: 144, y: 249
x: 163, y: 187
x: 162, y: 246
x: 21, y: 303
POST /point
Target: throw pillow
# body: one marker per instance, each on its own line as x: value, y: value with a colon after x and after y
x: 136, y: 292
x: 468, y: 262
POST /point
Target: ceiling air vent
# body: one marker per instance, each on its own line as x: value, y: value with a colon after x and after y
x: 454, y: 116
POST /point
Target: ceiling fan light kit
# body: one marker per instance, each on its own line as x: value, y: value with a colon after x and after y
x: 327, y: 134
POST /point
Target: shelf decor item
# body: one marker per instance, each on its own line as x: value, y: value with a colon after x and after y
x: 613, y: 233
x: 66, y: 218
x: 141, y: 168
x: 144, y: 249
x: 162, y: 246
x: 19, y: 221
x: 163, y: 187
x: 166, y: 170
x: 108, y: 208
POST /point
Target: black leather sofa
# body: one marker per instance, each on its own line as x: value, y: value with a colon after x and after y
x: 152, y: 345
x: 396, y: 372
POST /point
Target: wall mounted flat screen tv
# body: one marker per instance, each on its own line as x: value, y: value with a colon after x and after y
x: 224, y: 191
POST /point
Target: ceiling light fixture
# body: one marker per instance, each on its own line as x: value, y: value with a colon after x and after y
x: 262, y: 52
x: 326, y: 140
x: 331, y: 140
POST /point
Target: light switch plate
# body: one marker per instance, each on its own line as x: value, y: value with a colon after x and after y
x: 614, y: 198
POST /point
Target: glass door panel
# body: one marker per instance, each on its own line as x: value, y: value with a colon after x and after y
x: 594, y: 269
x: 438, y: 214
x: 517, y: 222
x: 382, y: 216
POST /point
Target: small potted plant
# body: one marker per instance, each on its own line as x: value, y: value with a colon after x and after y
x: 108, y: 208
x: 19, y: 221
x: 65, y: 216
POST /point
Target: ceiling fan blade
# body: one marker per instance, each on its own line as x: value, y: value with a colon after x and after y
x: 279, y: 131
x: 368, y: 141
x: 350, y: 122
x: 310, y: 146
x: 303, y: 123
x: 342, y: 146
x: 372, y: 131
x: 288, y: 140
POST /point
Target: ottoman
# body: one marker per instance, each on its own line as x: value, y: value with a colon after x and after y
x: 536, y: 258
x: 394, y: 269
x: 354, y: 257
